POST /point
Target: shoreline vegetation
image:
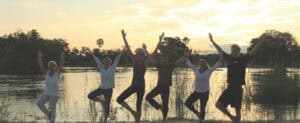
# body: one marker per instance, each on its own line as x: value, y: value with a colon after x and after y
x: 180, y: 121
x: 18, y: 56
x: 94, y: 69
x: 18, y: 51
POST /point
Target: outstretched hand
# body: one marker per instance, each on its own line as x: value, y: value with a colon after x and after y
x: 161, y: 36
x: 210, y: 37
x: 180, y: 60
x: 123, y: 33
x: 144, y: 46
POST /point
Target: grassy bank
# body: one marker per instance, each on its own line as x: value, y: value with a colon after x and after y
x: 179, y: 121
x: 216, y: 121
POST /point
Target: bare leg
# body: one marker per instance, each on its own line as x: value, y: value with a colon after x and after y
x: 238, y: 115
x: 140, y: 95
x: 189, y: 103
x: 165, y: 93
x: 224, y: 110
x: 127, y: 107
x: 150, y: 98
x: 124, y: 95
x: 136, y: 114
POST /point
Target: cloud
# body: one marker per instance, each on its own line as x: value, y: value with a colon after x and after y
x: 230, y: 20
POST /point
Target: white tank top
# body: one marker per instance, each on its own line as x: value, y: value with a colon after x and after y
x: 51, y: 82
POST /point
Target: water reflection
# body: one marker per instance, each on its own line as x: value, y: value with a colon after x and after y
x: 268, y: 95
x: 277, y: 87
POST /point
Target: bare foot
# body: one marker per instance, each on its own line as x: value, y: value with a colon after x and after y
x: 201, y: 120
x: 105, y: 119
x: 237, y: 119
x: 233, y: 119
x: 164, y: 113
x: 134, y: 113
x: 199, y: 116
x: 137, y: 116
x: 106, y: 114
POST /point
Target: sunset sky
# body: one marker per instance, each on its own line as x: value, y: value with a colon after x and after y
x: 82, y: 22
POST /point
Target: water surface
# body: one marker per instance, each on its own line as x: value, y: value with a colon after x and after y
x: 268, y: 96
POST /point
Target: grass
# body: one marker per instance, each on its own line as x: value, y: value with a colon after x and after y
x: 179, y: 121
x: 214, y: 121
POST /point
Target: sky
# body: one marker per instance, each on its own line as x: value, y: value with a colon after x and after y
x: 82, y: 22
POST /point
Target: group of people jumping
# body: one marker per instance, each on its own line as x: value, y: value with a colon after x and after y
x: 232, y: 95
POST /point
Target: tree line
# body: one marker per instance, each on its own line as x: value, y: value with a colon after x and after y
x: 18, y: 51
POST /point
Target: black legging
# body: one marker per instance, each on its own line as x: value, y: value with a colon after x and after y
x: 164, y: 93
x: 139, y: 90
x: 107, y: 95
x: 203, y: 96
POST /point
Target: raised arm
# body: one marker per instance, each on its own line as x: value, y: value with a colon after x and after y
x: 190, y: 64
x: 255, y: 47
x: 179, y: 61
x: 145, y: 48
x: 61, y: 63
x: 149, y: 56
x: 97, y: 60
x: 159, y: 43
x: 187, y: 60
x: 40, y: 62
x: 217, y: 64
x: 117, y: 59
x: 126, y: 44
x: 219, y: 49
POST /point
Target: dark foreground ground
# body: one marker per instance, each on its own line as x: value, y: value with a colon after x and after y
x: 211, y: 121
x: 177, y: 121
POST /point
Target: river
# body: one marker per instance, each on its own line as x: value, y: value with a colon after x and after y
x: 267, y: 96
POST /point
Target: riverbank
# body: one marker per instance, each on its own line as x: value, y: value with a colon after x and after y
x: 178, y: 121
x: 193, y: 121
x: 214, y: 121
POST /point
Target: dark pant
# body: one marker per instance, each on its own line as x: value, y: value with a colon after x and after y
x: 107, y: 95
x: 139, y: 90
x: 233, y: 96
x: 203, y: 96
x: 164, y: 93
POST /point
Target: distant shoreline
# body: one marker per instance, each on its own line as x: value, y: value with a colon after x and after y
x: 85, y: 69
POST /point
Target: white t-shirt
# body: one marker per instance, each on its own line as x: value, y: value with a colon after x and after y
x: 202, y: 79
x: 51, y: 82
x: 107, y: 75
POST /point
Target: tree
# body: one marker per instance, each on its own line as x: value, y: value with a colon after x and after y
x: 174, y: 48
x: 276, y: 50
x: 19, y: 51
